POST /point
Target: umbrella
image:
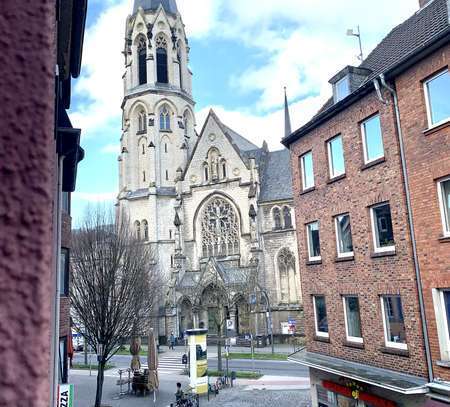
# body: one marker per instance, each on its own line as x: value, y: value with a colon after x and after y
x: 135, y: 348
x: 153, y: 361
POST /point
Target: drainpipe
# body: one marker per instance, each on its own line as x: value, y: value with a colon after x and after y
x: 393, y: 92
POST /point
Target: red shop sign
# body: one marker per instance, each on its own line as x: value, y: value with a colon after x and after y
x: 347, y: 392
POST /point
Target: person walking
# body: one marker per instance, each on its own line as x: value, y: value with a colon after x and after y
x: 172, y: 341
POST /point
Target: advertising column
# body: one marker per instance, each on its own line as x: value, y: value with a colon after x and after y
x: 198, y: 360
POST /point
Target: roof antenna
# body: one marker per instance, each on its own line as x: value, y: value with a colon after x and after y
x: 287, y: 116
x: 351, y: 33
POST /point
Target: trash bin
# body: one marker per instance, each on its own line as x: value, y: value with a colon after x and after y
x: 261, y: 341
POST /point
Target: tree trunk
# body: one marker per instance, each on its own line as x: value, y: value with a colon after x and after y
x: 100, y: 379
x: 219, y: 353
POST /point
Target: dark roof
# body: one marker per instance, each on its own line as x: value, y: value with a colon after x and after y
x: 276, y: 178
x: 416, y: 32
x: 169, y: 5
x: 416, y: 35
x: 241, y: 142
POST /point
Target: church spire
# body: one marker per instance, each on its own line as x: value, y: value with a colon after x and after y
x: 287, y: 116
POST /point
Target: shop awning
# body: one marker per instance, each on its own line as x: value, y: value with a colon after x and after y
x: 384, y: 378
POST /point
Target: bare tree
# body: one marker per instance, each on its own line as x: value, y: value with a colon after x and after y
x: 114, y: 285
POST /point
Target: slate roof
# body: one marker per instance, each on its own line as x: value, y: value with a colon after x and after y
x: 276, y: 178
x: 241, y: 142
x: 169, y: 5
x: 424, y: 28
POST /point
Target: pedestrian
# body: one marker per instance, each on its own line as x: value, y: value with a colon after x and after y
x: 172, y: 341
x: 179, y: 395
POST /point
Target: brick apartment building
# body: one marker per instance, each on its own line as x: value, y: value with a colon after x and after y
x: 39, y: 153
x: 371, y: 192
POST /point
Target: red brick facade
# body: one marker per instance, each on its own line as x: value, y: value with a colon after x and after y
x: 428, y: 161
x: 367, y: 276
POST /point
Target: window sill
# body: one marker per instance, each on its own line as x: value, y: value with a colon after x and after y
x: 140, y: 132
x: 165, y: 131
x: 323, y: 339
x: 373, y: 163
x: 355, y: 345
x: 436, y: 128
x: 390, y: 253
x: 344, y: 259
x: 444, y: 239
x: 305, y: 191
x: 395, y: 351
x: 313, y: 262
x: 337, y: 178
x: 443, y: 363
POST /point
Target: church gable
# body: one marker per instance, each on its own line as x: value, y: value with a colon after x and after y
x: 217, y: 155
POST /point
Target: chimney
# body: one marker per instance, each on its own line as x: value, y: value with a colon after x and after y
x: 423, y: 3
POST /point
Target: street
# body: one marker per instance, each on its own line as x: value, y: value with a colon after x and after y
x: 265, y: 367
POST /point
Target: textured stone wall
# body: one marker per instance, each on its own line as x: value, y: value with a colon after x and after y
x: 27, y: 151
x: 428, y: 160
x: 367, y: 275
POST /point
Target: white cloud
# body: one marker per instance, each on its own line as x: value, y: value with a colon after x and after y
x: 112, y: 148
x: 303, y: 44
x: 94, y: 197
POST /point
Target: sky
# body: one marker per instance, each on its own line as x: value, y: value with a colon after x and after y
x: 243, y: 52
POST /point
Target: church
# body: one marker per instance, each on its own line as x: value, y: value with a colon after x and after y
x: 214, y: 207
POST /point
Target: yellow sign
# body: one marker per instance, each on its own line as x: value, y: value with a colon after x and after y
x: 198, y: 360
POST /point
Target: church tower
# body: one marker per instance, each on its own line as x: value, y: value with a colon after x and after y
x: 158, y: 125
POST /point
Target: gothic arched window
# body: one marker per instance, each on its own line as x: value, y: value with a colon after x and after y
x: 164, y: 118
x: 224, y: 168
x: 137, y: 229
x: 162, y: 74
x: 206, y: 172
x: 142, y: 122
x: 277, y: 218
x: 220, y: 229
x: 145, y: 226
x: 142, y: 64
x: 287, y: 217
x: 186, y: 124
x: 286, y: 269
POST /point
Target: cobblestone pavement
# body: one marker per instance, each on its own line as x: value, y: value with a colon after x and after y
x: 260, y: 398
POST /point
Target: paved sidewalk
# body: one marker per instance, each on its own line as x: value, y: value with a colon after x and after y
x: 261, y: 398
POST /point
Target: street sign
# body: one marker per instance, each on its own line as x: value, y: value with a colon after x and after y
x: 65, y: 395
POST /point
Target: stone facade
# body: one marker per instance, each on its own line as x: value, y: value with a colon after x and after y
x: 170, y: 176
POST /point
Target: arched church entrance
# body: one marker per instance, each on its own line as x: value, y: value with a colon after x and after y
x: 186, y: 316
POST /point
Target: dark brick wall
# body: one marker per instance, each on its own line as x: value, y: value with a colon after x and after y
x: 27, y: 65
x: 64, y: 316
x: 428, y: 159
x: 365, y: 276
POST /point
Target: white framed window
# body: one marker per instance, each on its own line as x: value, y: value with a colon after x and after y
x: 307, y: 169
x: 320, y: 316
x: 336, y: 161
x: 352, y: 319
x: 341, y: 89
x: 344, y: 240
x: 393, y: 322
x: 313, y: 240
x: 437, y: 101
x: 441, y: 300
x: 444, y: 203
x: 382, y: 231
x: 372, y: 138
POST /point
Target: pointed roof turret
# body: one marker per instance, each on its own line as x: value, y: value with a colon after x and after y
x: 287, y: 116
x: 170, y: 6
